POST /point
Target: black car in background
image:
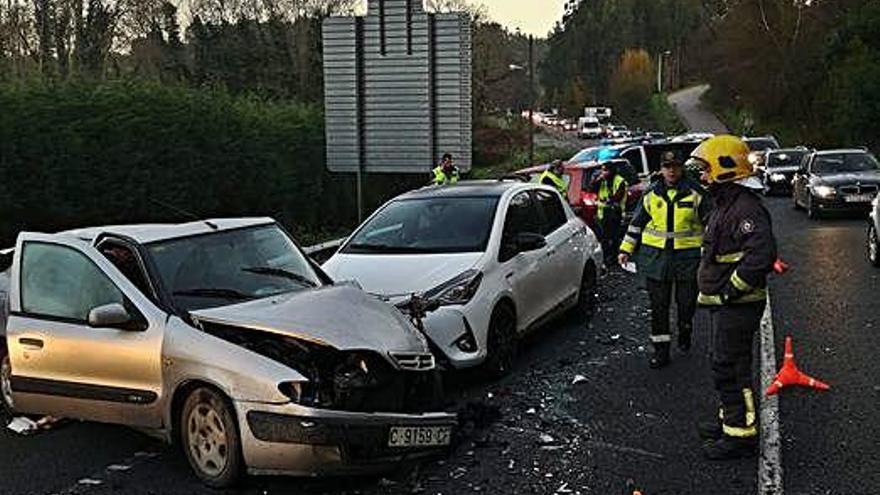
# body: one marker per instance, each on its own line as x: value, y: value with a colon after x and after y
x: 836, y: 180
x: 778, y: 168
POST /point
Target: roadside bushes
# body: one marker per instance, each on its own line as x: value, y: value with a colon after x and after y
x: 78, y: 154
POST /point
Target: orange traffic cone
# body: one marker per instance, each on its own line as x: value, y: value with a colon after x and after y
x: 790, y: 374
x: 780, y: 267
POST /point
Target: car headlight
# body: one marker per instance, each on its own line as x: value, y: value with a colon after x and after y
x: 458, y: 290
x: 754, y: 158
x: 777, y: 177
x: 291, y: 390
x: 824, y: 191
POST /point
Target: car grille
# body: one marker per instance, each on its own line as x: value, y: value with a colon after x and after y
x: 859, y: 189
x: 413, y: 361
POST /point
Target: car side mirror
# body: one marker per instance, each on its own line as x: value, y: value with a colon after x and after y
x: 112, y: 315
x: 528, y: 241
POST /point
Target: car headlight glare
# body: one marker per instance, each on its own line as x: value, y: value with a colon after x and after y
x: 458, y: 290
x: 777, y: 177
x: 824, y: 191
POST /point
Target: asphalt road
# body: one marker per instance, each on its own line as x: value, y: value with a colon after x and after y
x: 688, y: 105
x: 828, y: 304
x: 621, y: 427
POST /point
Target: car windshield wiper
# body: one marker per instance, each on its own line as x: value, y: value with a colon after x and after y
x: 279, y: 272
x: 214, y: 293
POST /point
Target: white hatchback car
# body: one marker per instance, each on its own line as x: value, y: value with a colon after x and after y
x: 500, y: 258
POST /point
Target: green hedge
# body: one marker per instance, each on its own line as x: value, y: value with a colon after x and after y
x: 75, y: 155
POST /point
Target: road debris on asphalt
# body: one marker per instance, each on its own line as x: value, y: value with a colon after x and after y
x: 26, y: 426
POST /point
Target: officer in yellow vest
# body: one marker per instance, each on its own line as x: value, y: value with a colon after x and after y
x: 446, y: 172
x: 553, y: 177
x: 667, y: 232
x: 611, y: 191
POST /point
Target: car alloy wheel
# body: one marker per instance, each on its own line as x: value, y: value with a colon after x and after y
x: 501, y: 342
x: 873, y: 246
x: 586, y: 298
x: 210, y: 438
x: 812, y: 211
x: 6, y: 402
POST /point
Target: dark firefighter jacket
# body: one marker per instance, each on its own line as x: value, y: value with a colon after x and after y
x: 738, y: 249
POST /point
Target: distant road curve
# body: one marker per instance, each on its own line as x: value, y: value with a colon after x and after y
x: 689, y: 107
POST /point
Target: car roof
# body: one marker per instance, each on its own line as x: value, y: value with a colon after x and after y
x: 146, y: 233
x: 842, y: 150
x: 467, y: 188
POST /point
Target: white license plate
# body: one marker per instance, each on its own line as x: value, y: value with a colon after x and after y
x: 858, y: 198
x: 419, y: 436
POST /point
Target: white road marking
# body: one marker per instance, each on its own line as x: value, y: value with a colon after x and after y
x: 770, y: 458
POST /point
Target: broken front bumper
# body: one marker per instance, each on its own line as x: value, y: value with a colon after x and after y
x: 296, y: 440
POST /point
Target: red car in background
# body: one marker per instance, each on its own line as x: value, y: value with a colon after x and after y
x: 578, y: 176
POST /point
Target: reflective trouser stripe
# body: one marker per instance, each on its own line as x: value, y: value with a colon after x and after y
x: 659, y: 339
x: 715, y: 300
x: 730, y: 258
x: 750, y: 429
x: 740, y: 284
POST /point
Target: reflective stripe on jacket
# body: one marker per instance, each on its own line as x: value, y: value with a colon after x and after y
x: 551, y: 179
x: 668, y: 218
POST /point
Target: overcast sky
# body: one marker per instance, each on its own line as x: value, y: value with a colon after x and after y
x: 532, y: 16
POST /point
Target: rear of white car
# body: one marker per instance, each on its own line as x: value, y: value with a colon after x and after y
x: 527, y: 260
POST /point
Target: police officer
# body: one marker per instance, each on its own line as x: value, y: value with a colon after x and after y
x: 611, y: 191
x: 667, y: 232
x: 446, y: 172
x: 738, y: 253
x: 553, y: 177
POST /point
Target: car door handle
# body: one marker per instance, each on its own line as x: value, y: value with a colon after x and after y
x: 31, y: 343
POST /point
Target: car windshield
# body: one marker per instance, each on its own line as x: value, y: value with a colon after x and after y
x: 220, y: 268
x: 427, y: 225
x: 762, y: 144
x: 845, y: 162
x: 785, y: 159
x: 585, y: 155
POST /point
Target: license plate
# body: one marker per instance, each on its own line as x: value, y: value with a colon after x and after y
x: 419, y: 436
x: 858, y: 198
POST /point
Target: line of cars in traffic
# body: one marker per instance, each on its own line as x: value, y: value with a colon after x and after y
x: 224, y: 336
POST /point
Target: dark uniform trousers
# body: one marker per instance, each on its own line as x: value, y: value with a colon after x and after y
x: 660, y: 292
x: 732, y: 334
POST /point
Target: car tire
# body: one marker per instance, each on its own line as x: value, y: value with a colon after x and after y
x: 586, y: 296
x: 873, y: 246
x: 812, y: 213
x: 501, y: 342
x: 7, y: 406
x: 210, y: 439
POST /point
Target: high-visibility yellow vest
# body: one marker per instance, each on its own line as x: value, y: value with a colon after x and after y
x: 605, y: 192
x: 441, y: 178
x: 674, y: 217
x: 558, y: 182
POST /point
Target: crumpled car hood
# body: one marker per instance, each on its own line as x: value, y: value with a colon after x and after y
x: 340, y: 316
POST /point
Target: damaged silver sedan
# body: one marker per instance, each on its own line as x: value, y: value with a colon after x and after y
x: 223, y: 335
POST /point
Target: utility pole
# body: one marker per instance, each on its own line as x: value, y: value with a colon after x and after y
x: 660, y: 69
x: 531, y: 100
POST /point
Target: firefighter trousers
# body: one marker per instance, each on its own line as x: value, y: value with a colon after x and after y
x: 733, y: 328
x: 660, y: 292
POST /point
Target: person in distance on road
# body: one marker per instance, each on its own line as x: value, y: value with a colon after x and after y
x: 738, y: 253
x: 667, y: 233
x: 446, y: 172
x: 611, y: 190
x: 553, y: 177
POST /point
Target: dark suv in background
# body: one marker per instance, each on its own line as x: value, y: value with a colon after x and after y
x: 779, y: 167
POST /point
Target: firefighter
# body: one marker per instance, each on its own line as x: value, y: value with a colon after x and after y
x: 611, y: 192
x: 553, y: 177
x: 738, y: 253
x: 667, y: 233
x: 446, y: 172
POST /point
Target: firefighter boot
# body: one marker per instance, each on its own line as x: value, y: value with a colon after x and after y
x: 728, y: 447
x: 684, y: 337
x: 660, y: 357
